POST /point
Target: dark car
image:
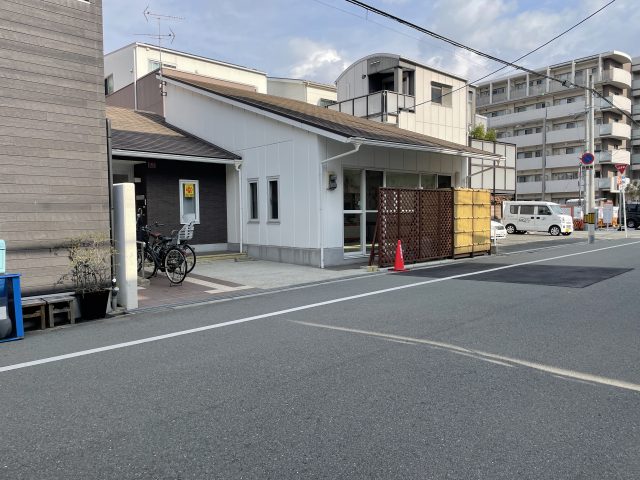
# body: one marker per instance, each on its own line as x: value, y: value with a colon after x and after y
x: 633, y: 215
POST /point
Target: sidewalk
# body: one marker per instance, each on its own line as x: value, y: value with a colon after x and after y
x: 214, y: 279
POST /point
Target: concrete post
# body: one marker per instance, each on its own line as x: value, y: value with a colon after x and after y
x: 124, y: 234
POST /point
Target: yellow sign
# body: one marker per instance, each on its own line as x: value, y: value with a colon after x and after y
x: 189, y: 190
x: 589, y: 218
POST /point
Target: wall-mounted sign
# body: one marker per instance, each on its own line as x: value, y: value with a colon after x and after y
x: 189, y: 190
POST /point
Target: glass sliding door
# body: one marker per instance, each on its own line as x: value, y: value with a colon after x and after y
x: 373, y: 181
x: 352, y: 207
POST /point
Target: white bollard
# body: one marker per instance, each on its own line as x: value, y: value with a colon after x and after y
x: 124, y: 234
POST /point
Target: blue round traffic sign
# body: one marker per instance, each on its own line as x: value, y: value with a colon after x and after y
x: 587, y: 158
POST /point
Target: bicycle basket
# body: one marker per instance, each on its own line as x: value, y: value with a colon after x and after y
x: 186, y: 232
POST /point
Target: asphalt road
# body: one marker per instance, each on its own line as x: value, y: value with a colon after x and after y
x: 516, y: 366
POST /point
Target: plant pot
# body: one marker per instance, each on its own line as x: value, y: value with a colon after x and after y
x: 6, y: 327
x: 93, y: 305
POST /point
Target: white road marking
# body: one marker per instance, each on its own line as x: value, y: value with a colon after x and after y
x: 491, y: 357
x: 156, y: 338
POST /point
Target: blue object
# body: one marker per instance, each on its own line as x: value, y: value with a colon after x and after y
x: 3, y: 255
x: 587, y: 158
x: 11, y: 300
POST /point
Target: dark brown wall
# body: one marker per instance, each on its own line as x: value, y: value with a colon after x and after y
x: 53, y: 154
x: 163, y: 197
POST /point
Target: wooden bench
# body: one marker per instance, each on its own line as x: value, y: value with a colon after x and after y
x: 60, y: 306
x: 34, y: 307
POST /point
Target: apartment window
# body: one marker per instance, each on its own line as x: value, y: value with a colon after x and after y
x: 570, y: 150
x: 538, y: 153
x: 499, y: 90
x: 108, y: 85
x: 535, y: 82
x: 570, y: 125
x: 571, y: 100
x: 521, y: 109
x: 520, y: 86
x: 501, y: 134
x: 538, y: 129
x: 528, y: 131
x: 189, y: 201
x: 274, y: 212
x: 440, y: 94
x: 253, y: 200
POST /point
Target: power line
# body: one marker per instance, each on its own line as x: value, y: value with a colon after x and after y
x: 367, y: 19
x: 506, y: 63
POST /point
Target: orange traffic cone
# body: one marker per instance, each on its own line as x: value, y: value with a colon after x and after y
x: 398, y: 265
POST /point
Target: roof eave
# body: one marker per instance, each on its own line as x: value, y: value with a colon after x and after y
x: 169, y: 156
x: 426, y: 148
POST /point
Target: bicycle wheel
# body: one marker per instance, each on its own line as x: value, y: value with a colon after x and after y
x: 190, y: 255
x: 148, y: 264
x: 175, y: 265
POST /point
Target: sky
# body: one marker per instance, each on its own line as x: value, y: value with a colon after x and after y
x: 318, y: 39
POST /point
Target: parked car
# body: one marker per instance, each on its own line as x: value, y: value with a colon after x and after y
x: 536, y: 216
x: 497, y: 230
x: 633, y: 215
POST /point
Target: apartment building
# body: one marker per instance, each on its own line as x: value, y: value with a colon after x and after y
x: 53, y: 149
x: 634, y: 174
x: 395, y: 90
x: 546, y: 120
x: 307, y: 91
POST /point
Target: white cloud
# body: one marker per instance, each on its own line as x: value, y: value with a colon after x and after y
x: 315, y: 61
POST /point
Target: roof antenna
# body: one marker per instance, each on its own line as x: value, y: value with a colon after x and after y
x: 159, y: 36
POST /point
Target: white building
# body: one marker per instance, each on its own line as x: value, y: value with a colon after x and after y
x: 128, y: 64
x: 546, y: 120
x: 402, y: 92
x: 306, y: 190
x: 306, y: 91
x: 635, y: 129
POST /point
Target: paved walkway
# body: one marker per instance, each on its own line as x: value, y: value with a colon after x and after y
x: 214, y: 279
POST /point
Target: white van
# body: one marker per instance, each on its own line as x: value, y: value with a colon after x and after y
x: 534, y: 216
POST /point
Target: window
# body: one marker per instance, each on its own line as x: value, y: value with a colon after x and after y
x: 189, y: 201
x: 441, y: 94
x: 513, y: 209
x: 108, y: 85
x: 497, y: 91
x: 521, y: 109
x: 540, y: 105
x: 274, y: 214
x: 538, y: 153
x: 571, y: 125
x: 428, y: 181
x: 444, y: 181
x: 570, y: 150
x: 253, y: 200
x: 543, y: 210
x: 571, y: 100
x: 402, y: 180
x: 526, y: 209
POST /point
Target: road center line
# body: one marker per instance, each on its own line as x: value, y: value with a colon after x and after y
x: 190, y: 331
x: 489, y: 357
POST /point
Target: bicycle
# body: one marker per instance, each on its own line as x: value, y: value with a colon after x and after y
x: 182, y: 237
x: 160, y: 254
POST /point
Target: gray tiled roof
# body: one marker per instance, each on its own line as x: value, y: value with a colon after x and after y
x: 331, y: 121
x: 148, y: 132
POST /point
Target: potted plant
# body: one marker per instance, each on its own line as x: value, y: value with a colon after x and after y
x: 90, y: 273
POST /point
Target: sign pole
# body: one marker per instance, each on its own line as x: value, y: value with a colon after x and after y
x: 591, y: 200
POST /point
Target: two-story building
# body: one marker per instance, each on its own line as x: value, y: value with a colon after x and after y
x: 53, y: 147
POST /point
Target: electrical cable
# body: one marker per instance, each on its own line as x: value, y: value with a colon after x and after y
x: 506, y: 63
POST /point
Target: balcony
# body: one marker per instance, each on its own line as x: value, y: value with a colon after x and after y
x: 534, y: 163
x: 537, y: 114
x: 482, y: 100
x: 563, y: 161
x: 614, y: 157
x: 528, y: 187
x: 617, y: 77
x: 562, y: 186
x: 614, y: 130
x: 525, y: 140
x: 619, y: 101
x: 565, y: 135
x: 377, y: 106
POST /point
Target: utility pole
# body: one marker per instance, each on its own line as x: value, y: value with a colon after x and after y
x: 544, y: 155
x: 589, y: 170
